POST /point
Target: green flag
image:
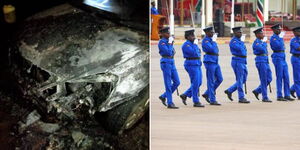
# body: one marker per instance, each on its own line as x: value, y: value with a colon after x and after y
x: 198, y: 6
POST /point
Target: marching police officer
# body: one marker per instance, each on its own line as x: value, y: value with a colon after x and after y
x: 213, y: 70
x: 262, y: 64
x: 167, y: 65
x: 281, y: 67
x: 239, y: 65
x: 295, y: 59
x: 192, y: 65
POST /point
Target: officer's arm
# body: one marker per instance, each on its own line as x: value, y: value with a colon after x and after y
x: 235, y: 46
x: 207, y: 46
x: 295, y: 45
x: 275, y: 44
x: 166, y: 48
x: 188, y: 49
x: 259, y: 47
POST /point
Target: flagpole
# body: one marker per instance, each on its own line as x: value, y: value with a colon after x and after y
x: 171, y: 17
x: 232, y: 16
x: 202, y: 16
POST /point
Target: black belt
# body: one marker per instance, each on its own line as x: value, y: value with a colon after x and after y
x: 296, y: 55
x: 278, y: 51
x: 169, y: 57
x: 193, y: 58
x: 212, y: 54
x: 240, y: 56
x: 261, y: 55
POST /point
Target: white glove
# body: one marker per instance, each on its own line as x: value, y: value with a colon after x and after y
x: 281, y: 35
x: 171, y: 39
x: 265, y: 39
x: 215, y: 36
x: 243, y: 37
x: 196, y: 41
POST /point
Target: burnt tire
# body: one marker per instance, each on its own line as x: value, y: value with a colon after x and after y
x: 126, y: 115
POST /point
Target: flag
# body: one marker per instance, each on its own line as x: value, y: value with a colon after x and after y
x: 198, y: 6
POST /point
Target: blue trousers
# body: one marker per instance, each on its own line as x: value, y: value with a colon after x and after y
x: 171, y: 80
x: 296, y: 73
x: 195, y: 75
x: 265, y: 77
x: 214, y: 79
x: 241, y: 73
x: 282, y: 74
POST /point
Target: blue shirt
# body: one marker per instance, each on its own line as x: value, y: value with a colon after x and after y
x: 154, y: 11
x: 165, y: 49
x: 209, y: 46
x: 277, y: 44
x: 238, y: 48
x: 191, y: 50
x: 260, y: 47
x: 295, y: 43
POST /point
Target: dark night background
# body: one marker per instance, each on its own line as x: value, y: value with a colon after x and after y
x: 25, y: 9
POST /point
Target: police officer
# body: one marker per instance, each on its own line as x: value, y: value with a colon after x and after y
x: 213, y: 70
x: 281, y: 67
x: 262, y: 64
x: 192, y: 65
x: 167, y: 64
x: 295, y: 59
x: 239, y: 65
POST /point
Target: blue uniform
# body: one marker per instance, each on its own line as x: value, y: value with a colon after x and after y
x: 154, y: 11
x: 239, y: 66
x: 192, y: 65
x: 263, y: 67
x: 167, y: 65
x: 295, y: 44
x: 281, y: 67
x: 213, y: 70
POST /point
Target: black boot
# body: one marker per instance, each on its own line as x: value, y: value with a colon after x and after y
x: 244, y: 100
x: 256, y: 95
x: 281, y: 99
x: 206, y: 97
x: 215, y: 103
x: 229, y: 95
x: 293, y: 94
x: 198, y: 105
x: 172, y: 106
x: 288, y: 98
x: 163, y: 100
x: 183, y: 98
x: 267, y: 100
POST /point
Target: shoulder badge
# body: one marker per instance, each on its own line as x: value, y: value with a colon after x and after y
x: 187, y: 45
x: 206, y: 41
x: 257, y: 43
x: 234, y: 41
x: 162, y: 43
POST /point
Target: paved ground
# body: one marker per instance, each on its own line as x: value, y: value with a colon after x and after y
x: 232, y: 126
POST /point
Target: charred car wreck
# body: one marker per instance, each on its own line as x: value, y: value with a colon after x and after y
x: 81, y: 71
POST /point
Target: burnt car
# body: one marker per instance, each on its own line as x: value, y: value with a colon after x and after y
x: 79, y: 67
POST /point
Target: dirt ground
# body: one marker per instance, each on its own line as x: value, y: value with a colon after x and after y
x: 232, y: 126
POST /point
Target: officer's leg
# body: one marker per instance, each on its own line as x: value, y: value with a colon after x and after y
x: 296, y: 73
x: 218, y: 77
x: 188, y: 92
x: 175, y: 79
x: 279, y: 76
x: 263, y: 76
x: 194, y: 74
x: 167, y: 73
x: 232, y: 88
x: 210, y: 75
x: 240, y: 80
x: 286, y: 80
x: 258, y: 89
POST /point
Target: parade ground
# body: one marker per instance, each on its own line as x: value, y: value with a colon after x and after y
x: 232, y: 126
